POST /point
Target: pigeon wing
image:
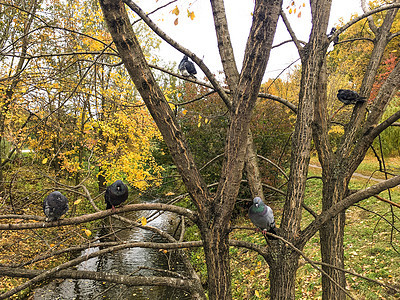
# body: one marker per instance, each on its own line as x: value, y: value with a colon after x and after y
x: 264, y: 219
x: 190, y: 68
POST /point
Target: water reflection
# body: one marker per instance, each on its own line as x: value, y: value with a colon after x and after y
x: 127, y: 262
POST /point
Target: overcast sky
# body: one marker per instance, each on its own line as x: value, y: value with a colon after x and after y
x: 199, y: 35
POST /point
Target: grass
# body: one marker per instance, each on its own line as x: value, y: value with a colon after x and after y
x: 370, y: 245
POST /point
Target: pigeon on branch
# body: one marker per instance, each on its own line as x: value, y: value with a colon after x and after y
x: 187, y: 68
x: 348, y: 97
x: 261, y: 215
x: 55, y: 205
x: 116, y: 194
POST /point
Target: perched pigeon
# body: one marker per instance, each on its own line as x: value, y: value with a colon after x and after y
x: 336, y: 39
x: 261, y: 215
x: 349, y: 97
x: 54, y: 206
x: 116, y: 193
x: 186, y: 67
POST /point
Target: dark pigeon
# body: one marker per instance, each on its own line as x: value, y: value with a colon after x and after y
x: 187, y: 68
x: 261, y: 215
x: 54, y: 206
x: 336, y: 39
x: 350, y: 97
x: 116, y: 194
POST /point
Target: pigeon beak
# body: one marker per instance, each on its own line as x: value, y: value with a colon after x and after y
x: 256, y: 204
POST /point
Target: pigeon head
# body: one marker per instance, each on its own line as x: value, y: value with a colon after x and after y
x: 258, y: 205
x: 119, y: 186
x: 258, y: 202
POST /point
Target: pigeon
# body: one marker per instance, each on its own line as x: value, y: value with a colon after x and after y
x: 116, y: 193
x: 261, y: 215
x: 186, y: 67
x: 54, y: 206
x: 349, y: 97
x: 336, y: 39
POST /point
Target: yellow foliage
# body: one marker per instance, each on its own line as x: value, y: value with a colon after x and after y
x: 191, y: 14
x: 175, y: 11
x: 337, y: 129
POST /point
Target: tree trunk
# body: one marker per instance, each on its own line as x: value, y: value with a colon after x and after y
x: 252, y: 170
x: 283, y: 264
x: 332, y: 235
x: 216, y: 250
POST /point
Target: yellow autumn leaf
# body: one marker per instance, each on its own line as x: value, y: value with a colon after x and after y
x: 175, y: 11
x: 290, y: 11
x: 52, y: 245
x: 299, y: 15
x: 77, y: 201
x: 170, y: 194
x: 190, y: 14
x: 44, y: 161
x: 257, y: 294
x: 184, y: 112
x: 87, y: 232
x: 176, y: 22
x: 252, y: 273
x: 143, y: 220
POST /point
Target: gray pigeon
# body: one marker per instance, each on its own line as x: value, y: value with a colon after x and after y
x: 261, y: 215
x: 54, y: 206
x: 186, y: 67
x: 116, y: 194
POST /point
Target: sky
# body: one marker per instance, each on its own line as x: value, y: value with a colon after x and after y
x: 198, y: 35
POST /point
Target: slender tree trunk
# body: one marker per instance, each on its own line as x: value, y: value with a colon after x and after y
x: 252, y: 170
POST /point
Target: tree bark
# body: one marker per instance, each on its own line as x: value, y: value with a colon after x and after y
x: 283, y: 264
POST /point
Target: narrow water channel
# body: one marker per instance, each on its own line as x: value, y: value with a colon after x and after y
x: 127, y: 262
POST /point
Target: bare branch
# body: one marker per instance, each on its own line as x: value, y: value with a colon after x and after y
x: 182, y: 49
x: 275, y: 165
x: 291, y: 32
x: 369, y: 18
x: 363, y: 16
x: 102, y: 214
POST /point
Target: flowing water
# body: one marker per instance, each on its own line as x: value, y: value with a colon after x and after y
x: 127, y: 262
